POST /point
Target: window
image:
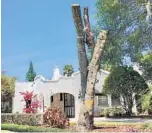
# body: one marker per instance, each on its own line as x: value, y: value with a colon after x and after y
x: 115, y: 101
x: 68, y: 100
x: 51, y: 98
x: 65, y: 100
x: 61, y: 97
x: 102, y: 101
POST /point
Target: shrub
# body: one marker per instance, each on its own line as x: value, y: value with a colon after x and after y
x: 117, y: 111
x: 147, y: 126
x: 111, y: 112
x: 26, y: 128
x: 54, y: 117
x: 102, y: 112
x: 31, y: 107
x: 106, y: 112
x: 23, y: 119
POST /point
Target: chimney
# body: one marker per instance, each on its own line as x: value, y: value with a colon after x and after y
x: 56, y: 73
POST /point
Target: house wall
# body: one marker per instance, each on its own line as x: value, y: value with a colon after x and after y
x: 54, y: 87
x: 56, y: 101
x: 18, y: 104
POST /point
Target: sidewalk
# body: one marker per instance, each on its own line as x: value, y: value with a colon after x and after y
x: 125, y: 120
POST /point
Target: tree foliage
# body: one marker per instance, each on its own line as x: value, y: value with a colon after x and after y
x: 145, y: 65
x: 146, y: 101
x: 68, y: 70
x: 130, y: 30
x: 7, y: 87
x: 124, y: 81
x: 31, y: 74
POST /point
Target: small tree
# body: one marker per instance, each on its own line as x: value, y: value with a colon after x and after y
x: 125, y: 82
x: 7, y: 88
x: 31, y: 107
x: 68, y: 70
x: 31, y: 73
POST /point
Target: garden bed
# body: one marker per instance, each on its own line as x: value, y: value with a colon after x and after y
x: 117, y: 127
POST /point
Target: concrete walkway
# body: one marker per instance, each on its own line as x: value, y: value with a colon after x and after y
x: 124, y: 120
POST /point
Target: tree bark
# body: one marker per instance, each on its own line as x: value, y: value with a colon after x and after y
x: 83, y: 62
x: 87, y: 29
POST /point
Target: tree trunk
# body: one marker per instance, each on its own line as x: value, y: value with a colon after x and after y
x: 88, y: 73
x: 149, y: 12
x: 86, y: 118
x: 83, y: 62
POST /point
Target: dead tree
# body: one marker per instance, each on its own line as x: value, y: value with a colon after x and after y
x: 88, y: 66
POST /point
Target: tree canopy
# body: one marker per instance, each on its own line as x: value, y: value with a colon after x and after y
x: 130, y: 29
x: 7, y: 87
x: 145, y: 66
x: 68, y: 70
x: 146, y: 101
x: 124, y: 81
x: 31, y: 74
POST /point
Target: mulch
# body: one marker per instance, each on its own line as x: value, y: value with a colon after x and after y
x: 118, y: 128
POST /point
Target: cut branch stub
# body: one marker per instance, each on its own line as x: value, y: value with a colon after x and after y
x: 87, y: 28
x: 77, y: 19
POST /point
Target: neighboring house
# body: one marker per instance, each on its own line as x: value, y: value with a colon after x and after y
x: 62, y: 92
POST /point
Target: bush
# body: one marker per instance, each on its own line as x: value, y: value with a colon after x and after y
x: 26, y: 128
x: 22, y: 119
x: 146, y: 101
x: 54, y: 117
x: 117, y: 112
x: 104, y: 112
x: 111, y: 112
x: 147, y: 126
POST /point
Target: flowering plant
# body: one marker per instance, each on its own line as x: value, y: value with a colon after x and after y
x: 31, y: 107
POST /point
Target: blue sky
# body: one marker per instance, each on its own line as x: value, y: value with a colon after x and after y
x: 41, y: 31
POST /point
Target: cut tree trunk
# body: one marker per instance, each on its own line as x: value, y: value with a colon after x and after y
x: 88, y: 73
x: 83, y: 62
x: 86, y: 116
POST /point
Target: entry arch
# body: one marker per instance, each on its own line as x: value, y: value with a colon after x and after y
x: 65, y: 101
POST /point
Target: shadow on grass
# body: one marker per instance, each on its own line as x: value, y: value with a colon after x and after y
x: 105, y: 127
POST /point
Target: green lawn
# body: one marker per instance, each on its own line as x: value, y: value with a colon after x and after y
x: 99, y: 127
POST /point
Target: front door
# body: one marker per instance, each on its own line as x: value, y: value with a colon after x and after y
x: 69, y: 107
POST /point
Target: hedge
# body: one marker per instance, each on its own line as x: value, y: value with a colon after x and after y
x: 22, y: 119
x: 26, y: 128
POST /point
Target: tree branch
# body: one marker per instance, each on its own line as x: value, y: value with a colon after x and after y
x: 89, y: 34
x: 83, y: 62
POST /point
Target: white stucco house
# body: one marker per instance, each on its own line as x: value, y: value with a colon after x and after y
x: 63, y: 92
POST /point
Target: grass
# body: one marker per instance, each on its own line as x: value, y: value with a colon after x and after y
x: 26, y: 128
x: 100, y: 127
x: 120, y: 127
